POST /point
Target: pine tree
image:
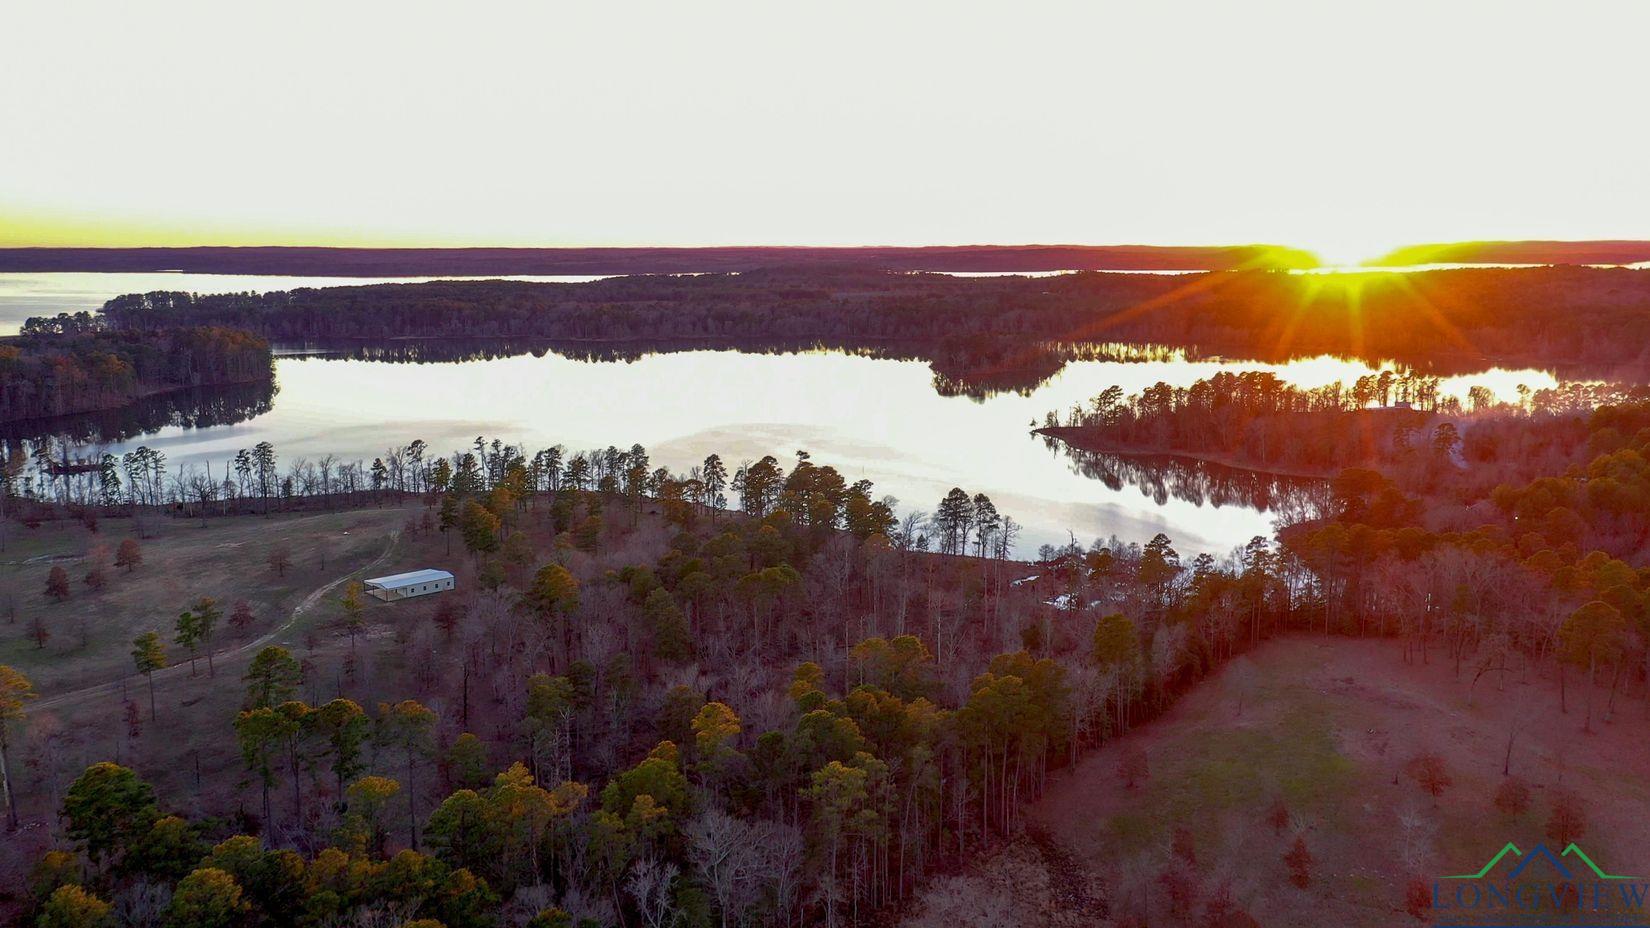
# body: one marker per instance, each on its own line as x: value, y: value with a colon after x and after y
x: 149, y: 655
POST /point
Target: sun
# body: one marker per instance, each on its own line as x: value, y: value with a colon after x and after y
x: 1348, y: 251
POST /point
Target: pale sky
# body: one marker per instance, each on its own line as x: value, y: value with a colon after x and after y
x: 1349, y: 127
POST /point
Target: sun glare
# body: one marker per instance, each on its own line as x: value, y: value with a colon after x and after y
x: 1349, y: 252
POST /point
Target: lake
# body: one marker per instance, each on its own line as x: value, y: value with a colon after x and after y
x: 879, y: 418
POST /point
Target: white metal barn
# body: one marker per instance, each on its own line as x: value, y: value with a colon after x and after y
x: 410, y: 584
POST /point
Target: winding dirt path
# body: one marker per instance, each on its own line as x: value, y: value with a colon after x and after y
x: 113, y: 687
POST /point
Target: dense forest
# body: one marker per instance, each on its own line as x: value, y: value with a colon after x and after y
x: 1544, y: 570
x: 71, y: 365
x: 1393, y: 420
x: 878, y: 705
x: 1427, y: 320
x: 755, y: 697
x: 1258, y: 419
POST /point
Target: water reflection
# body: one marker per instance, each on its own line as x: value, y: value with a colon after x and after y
x: 1162, y: 477
x: 975, y: 368
x: 200, y: 408
x: 968, y: 368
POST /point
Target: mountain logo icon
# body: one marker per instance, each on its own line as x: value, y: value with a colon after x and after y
x: 1541, y: 853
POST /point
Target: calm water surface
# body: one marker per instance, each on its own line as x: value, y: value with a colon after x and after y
x: 869, y: 417
x: 874, y: 418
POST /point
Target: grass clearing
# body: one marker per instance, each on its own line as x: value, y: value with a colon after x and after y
x: 1330, y: 732
x: 91, y: 631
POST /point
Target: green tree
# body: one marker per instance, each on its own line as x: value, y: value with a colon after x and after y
x: 1593, y: 634
x: 354, y: 610
x: 15, y: 692
x: 171, y: 848
x: 54, y: 869
x: 715, y: 729
x: 551, y: 918
x: 272, y: 880
x: 272, y: 676
x: 407, y: 726
x: 206, y: 898
x: 843, y: 797
x: 548, y: 716
x: 261, y: 733
x: 466, y: 761
x: 672, y: 640
x: 675, y: 718
x: 447, y: 520
x: 554, y: 590
x: 479, y: 527
x: 587, y: 535
x: 1116, y: 650
x: 343, y: 725
x: 553, y: 597
x: 107, y: 809
x: 901, y: 666
x: 640, y: 807
x: 148, y: 656
x: 73, y: 907
x: 203, y: 619
x: 1159, y: 566
x: 364, y: 824
x: 441, y: 477
x: 714, y: 478
x: 186, y: 634
x: 502, y: 831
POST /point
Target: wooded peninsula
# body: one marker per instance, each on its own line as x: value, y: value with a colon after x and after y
x: 78, y: 369
x: 1549, y: 314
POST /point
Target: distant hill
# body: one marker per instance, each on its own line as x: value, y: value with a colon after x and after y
x: 426, y: 262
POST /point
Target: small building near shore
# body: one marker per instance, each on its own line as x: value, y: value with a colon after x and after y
x: 410, y: 584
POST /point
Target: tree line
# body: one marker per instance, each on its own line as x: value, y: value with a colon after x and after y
x: 1506, y: 314
x: 1258, y: 418
x: 1396, y: 420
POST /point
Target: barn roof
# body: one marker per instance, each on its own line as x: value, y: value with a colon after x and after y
x: 427, y: 575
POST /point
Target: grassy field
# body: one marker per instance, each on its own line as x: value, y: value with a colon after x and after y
x: 1328, y: 729
x: 227, y: 559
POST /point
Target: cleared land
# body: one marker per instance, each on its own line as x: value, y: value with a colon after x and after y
x: 91, y: 632
x: 1327, y: 726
